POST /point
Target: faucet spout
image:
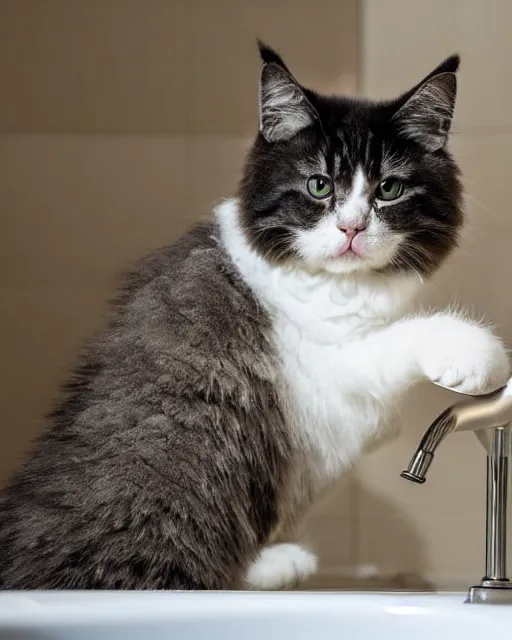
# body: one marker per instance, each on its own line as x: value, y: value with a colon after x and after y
x: 442, y: 426
x: 475, y: 413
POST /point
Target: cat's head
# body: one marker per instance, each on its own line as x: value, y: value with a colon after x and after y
x: 341, y: 185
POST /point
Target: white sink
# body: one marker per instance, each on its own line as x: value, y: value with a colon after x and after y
x: 248, y: 616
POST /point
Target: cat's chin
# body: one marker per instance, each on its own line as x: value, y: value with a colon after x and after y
x: 346, y: 265
x: 338, y: 267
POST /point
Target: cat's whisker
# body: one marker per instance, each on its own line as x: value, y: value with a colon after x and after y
x: 471, y: 198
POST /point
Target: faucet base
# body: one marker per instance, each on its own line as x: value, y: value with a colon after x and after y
x: 491, y: 592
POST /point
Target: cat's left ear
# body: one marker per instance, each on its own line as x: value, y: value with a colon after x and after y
x: 284, y: 108
x: 425, y: 113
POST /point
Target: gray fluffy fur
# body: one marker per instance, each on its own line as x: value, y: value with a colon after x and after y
x: 162, y: 468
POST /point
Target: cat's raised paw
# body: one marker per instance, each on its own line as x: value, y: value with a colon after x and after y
x: 463, y: 356
x: 280, y: 566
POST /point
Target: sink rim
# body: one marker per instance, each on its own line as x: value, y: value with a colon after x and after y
x: 23, y: 609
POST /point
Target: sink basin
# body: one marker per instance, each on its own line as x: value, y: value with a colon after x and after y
x: 33, y: 615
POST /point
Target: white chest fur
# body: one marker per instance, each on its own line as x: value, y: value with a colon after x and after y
x: 316, y: 318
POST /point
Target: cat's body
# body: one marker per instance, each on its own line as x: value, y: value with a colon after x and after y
x: 251, y: 363
x: 157, y: 473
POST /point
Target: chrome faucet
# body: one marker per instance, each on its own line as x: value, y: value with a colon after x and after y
x: 490, y: 417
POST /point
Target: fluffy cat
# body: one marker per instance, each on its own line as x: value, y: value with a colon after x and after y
x: 248, y: 365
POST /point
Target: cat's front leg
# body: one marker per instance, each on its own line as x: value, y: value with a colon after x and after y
x: 446, y: 349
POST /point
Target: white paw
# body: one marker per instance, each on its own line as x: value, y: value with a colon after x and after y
x: 463, y: 356
x: 280, y: 566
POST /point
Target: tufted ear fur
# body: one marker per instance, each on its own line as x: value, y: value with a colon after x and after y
x: 425, y: 113
x: 284, y: 108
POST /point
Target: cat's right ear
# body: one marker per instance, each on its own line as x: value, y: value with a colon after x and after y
x: 284, y: 109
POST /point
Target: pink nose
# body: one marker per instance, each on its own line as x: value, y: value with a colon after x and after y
x: 350, y: 232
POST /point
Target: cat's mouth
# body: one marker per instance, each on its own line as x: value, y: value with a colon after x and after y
x: 352, y: 247
x: 347, y: 252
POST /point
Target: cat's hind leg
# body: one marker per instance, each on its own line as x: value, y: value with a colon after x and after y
x: 280, y: 566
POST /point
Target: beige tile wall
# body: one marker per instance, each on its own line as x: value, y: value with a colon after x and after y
x: 159, y: 66
x: 438, y: 528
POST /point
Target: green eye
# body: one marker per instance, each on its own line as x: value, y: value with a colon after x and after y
x: 390, y: 189
x: 319, y: 187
